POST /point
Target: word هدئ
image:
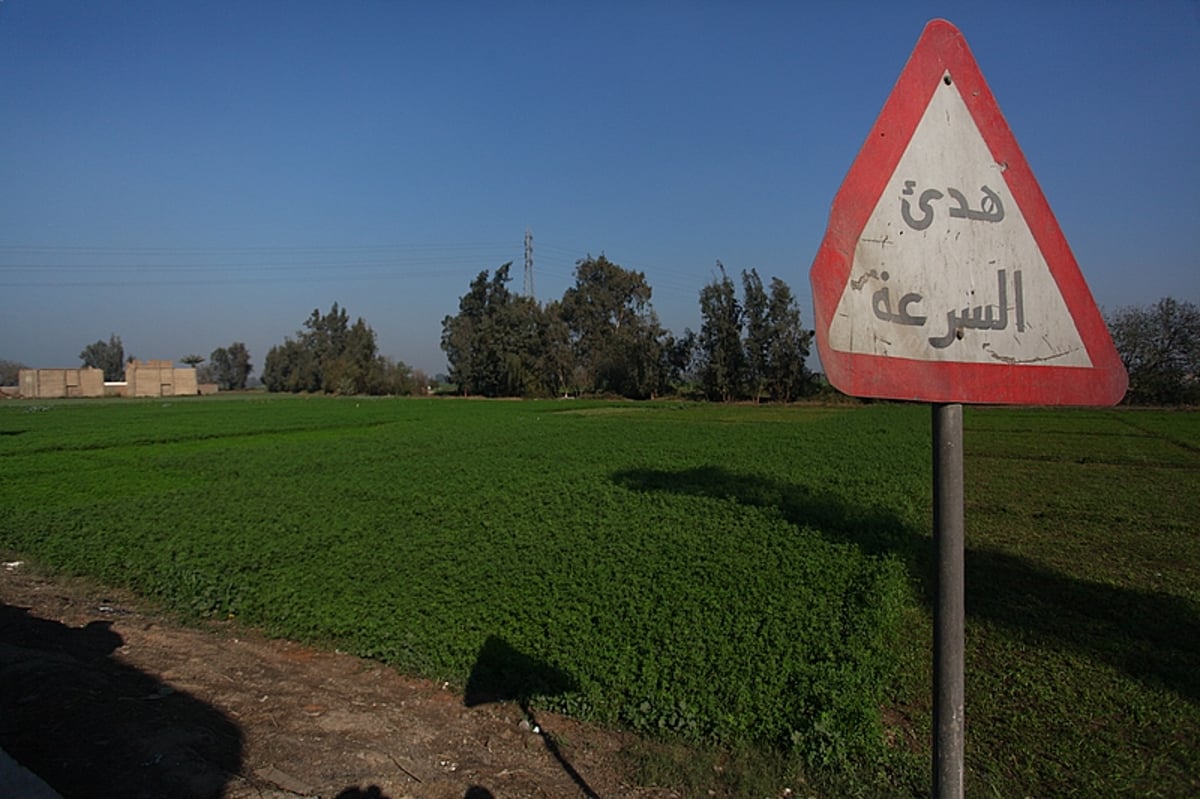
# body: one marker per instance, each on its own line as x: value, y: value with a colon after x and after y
x: 992, y: 209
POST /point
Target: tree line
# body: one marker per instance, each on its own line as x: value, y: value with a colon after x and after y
x: 601, y: 337
x: 1160, y: 347
x: 604, y: 337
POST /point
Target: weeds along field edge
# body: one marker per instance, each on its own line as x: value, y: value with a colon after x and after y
x: 733, y: 574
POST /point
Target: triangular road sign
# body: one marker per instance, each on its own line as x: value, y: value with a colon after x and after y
x: 943, y: 275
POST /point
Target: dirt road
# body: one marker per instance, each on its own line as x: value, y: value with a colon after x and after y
x: 103, y: 696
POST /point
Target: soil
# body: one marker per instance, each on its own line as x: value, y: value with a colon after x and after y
x: 102, y: 695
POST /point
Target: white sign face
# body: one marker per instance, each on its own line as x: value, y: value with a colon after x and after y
x: 946, y: 268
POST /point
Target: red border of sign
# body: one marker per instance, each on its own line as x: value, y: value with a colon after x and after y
x: 941, y: 48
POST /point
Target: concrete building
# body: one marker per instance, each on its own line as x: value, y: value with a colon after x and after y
x: 159, y: 379
x: 61, y: 383
x: 142, y: 379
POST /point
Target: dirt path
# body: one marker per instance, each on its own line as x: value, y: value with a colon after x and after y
x: 103, y: 697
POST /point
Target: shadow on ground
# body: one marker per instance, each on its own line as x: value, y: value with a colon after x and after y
x: 92, y: 726
x: 374, y: 792
x: 504, y: 674
x: 1153, y: 637
x: 370, y: 792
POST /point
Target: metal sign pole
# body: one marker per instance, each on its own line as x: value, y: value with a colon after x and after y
x: 949, y: 609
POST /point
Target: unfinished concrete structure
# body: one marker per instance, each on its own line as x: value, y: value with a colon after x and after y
x: 61, y: 383
x: 159, y: 379
x: 142, y: 379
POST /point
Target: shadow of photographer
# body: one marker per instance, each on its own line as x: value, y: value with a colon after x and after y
x: 92, y: 726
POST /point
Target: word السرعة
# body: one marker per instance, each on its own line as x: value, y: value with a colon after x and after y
x: 979, y: 317
x: 991, y: 209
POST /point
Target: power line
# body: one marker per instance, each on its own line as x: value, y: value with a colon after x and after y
x: 96, y: 266
x: 249, y: 249
x: 339, y: 278
x: 87, y: 266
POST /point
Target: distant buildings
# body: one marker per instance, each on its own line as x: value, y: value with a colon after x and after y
x: 142, y: 379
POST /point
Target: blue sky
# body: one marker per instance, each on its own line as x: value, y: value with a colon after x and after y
x: 187, y: 175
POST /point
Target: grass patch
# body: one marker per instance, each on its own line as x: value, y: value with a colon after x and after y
x: 719, y: 585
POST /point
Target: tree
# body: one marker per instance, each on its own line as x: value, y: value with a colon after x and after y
x: 758, y: 334
x: 1160, y: 347
x: 109, y: 357
x: 788, y: 345
x: 681, y: 358
x: 192, y: 360
x: 460, y: 334
x: 289, y: 367
x: 494, y: 344
x: 724, y: 363
x: 330, y: 355
x: 615, y: 334
x: 10, y: 372
x: 556, y: 359
x: 228, y: 368
x: 325, y: 339
x: 352, y: 367
x: 522, y: 329
x: 769, y: 359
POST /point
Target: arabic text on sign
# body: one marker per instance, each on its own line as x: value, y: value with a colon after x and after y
x: 979, y: 317
x: 991, y: 209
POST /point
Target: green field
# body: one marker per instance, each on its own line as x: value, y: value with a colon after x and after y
x: 729, y: 576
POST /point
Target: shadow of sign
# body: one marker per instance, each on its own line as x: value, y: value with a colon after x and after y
x: 504, y: 674
x: 1152, y: 637
x: 872, y: 529
x: 478, y: 792
x: 370, y: 792
x: 92, y: 726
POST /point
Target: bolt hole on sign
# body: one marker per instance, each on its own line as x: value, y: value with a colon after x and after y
x: 943, y: 275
